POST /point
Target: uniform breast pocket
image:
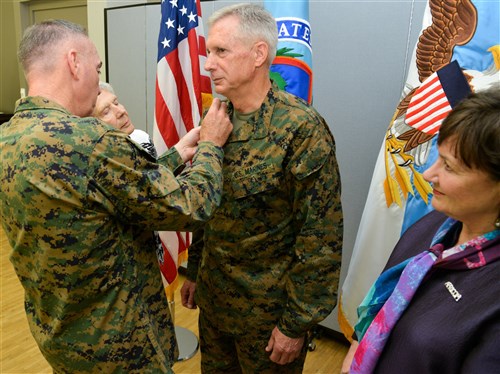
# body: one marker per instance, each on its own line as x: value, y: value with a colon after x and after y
x: 254, y: 184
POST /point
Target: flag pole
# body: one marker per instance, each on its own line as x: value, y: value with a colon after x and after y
x: 187, y: 342
x: 171, y: 306
x: 181, y: 52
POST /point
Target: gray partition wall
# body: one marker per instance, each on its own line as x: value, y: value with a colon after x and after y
x: 361, y: 51
x: 131, y: 49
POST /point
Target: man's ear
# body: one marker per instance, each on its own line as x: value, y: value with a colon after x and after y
x: 261, y: 53
x: 73, y: 61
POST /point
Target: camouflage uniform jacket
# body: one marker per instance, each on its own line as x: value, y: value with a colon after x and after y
x: 273, y: 247
x: 76, y: 197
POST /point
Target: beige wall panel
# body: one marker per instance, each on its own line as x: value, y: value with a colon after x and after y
x: 9, y: 77
x: 74, y: 11
x: 16, y: 15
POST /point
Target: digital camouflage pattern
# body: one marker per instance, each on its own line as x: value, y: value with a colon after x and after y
x: 76, y: 197
x: 220, y: 355
x: 271, y: 254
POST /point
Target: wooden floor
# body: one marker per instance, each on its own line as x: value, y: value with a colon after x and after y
x: 19, y: 353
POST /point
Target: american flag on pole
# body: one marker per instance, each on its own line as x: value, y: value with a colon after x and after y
x: 182, y: 91
x: 433, y: 100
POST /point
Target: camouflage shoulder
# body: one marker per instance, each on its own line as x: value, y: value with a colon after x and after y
x: 307, y: 117
x: 98, y: 127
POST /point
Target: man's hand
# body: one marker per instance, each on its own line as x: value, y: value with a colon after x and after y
x: 187, y: 294
x: 216, y: 125
x: 283, y: 349
x: 188, y: 144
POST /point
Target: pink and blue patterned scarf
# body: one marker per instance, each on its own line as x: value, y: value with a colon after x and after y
x: 392, y: 292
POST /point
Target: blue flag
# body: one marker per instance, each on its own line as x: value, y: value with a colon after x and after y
x: 292, y: 67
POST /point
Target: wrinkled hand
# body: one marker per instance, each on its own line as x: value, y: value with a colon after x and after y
x: 283, y: 349
x: 188, y: 144
x: 346, y: 364
x: 187, y: 294
x: 216, y: 125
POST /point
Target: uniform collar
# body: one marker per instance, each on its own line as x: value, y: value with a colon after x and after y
x: 258, y: 126
x: 37, y: 102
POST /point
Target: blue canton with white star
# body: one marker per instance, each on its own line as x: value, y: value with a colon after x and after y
x: 178, y: 17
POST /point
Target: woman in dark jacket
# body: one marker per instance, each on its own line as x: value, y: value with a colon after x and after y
x: 436, y: 307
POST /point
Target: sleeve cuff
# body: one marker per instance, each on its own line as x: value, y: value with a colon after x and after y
x: 173, y: 160
x: 206, y: 151
x: 290, y: 328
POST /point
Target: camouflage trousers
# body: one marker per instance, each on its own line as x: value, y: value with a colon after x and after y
x: 226, y: 351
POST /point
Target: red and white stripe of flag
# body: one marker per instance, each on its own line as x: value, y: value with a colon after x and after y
x: 175, y: 246
x: 205, y: 83
x: 180, y: 83
x: 178, y: 94
x: 428, y: 106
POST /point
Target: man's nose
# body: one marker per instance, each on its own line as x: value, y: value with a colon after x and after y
x: 121, y: 110
x: 209, y: 65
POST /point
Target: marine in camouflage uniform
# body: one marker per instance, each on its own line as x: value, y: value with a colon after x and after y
x: 271, y: 254
x: 76, y: 195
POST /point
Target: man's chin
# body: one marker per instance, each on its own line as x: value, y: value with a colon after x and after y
x: 219, y: 88
x: 129, y: 129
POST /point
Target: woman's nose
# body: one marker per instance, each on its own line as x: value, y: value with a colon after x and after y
x: 430, y: 173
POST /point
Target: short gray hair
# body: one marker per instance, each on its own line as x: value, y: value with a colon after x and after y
x: 256, y: 23
x: 105, y: 86
x: 38, y: 40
